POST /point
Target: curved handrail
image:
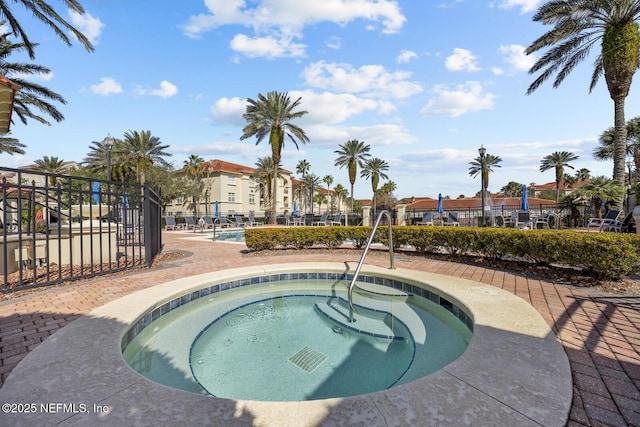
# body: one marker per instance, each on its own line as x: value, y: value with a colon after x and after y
x: 364, y: 254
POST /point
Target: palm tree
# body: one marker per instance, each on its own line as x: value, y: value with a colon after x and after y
x: 51, y: 165
x: 601, y: 189
x: 271, y: 115
x: 512, y: 189
x: 264, y: 166
x: 352, y: 154
x: 490, y: 161
x: 583, y: 173
x: 45, y: 13
x: 303, y: 168
x: 374, y: 168
x: 320, y: 199
x: 11, y: 146
x: 579, y: 25
x: 558, y: 161
x: 606, y: 149
x: 30, y: 95
x: 311, y: 181
x: 341, y: 194
x: 328, y: 179
x: 100, y: 151
x: 145, y: 150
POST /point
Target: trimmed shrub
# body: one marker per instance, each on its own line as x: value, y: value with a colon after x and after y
x: 604, y: 255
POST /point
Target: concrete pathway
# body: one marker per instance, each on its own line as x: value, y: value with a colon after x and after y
x: 600, y: 332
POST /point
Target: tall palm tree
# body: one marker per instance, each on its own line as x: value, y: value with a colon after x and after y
x: 51, y: 165
x: 352, y: 154
x: 144, y: 150
x: 341, y: 194
x: 328, y: 179
x: 490, y: 162
x: 100, y: 151
x: 579, y: 25
x: 30, y: 95
x: 263, y: 172
x: 303, y: 168
x: 605, y: 150
x: 558, y: 161
x: 45, y: 13
x: 11, y: 146
x: 375, y: 169
x: 601, y: 189
x: 311, y: 181
x: 583, y: 173
x: 272, y: 116
x: 512, y: 189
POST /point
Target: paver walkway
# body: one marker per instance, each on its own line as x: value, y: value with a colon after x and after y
x: 600, y: 333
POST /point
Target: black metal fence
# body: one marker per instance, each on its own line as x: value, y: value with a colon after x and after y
x: 58, y: 228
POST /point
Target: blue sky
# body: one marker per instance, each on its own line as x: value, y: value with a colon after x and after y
x: 424, y: 83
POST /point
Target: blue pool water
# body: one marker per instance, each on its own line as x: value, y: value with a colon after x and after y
x: 291, y: 342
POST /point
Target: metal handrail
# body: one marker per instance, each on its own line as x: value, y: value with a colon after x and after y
x: 364, y: 254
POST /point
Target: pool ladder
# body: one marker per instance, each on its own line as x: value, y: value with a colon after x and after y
x: 364, y: 254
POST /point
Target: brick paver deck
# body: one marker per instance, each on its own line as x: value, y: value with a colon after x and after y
x: 600, y: 333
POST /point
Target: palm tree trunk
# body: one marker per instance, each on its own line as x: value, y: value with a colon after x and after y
x: 619, y: 146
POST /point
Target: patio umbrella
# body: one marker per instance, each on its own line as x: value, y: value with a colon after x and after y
x: 440, y: 210
x: 295, y: 209
x: 96, y: 192
x: 217, y: 212
x: 524, y: 203
x: 125, y: 201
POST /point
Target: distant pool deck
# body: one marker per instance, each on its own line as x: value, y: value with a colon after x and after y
x: 599, y: 333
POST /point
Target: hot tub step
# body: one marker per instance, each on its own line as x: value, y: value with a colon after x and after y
x: 370, y: 322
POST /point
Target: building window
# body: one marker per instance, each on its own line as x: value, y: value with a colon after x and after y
x: 180, y: 200
x: 252, y: 181
x: 231, y: 197
x: 231, y: 180
x: 252, y: 199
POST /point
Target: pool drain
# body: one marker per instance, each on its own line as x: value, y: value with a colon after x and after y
x: 308, y: 359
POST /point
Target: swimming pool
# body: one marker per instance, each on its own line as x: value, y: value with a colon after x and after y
x: 271, y: 338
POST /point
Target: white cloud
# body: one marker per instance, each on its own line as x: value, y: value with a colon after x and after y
x: 406, y: 56
x: 461, y: 60
x: 514, y: 56
x: 229, y: 111
x: 88, y: 25
x: 465, y: 98
x: 334, y: 43
x: 524, y: 5
x: 166, y: 90
x: 372, y: 80
x: 376, y: 135
x: 330, y: 108
x: 268, y: 47
x: 107, y: 86
x: 282, y: 17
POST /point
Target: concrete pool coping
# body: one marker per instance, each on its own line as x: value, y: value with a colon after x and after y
x: 514, y: 371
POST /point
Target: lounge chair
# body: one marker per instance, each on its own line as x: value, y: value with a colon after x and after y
x: 294, y: 220
x: 207, y: 222
x: 427, y: 219
x: 609, y: 219
x: 171, y: 224
x: 523, y: 220
x: 619, y: 226
x: 252, y: 221
x: 452, y: 219
x: 322, y: 221
x: 337, y: 220
x: 190, y: 223
x: 239, y: 221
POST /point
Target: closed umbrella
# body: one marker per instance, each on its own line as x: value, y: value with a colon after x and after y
x: 217, y: 209
x: 295, y: 209
x: 96, y: 192
x: 524, y: 203
x: 440, y: 210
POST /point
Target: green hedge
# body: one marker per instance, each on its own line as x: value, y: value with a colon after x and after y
x: 605, y: 255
